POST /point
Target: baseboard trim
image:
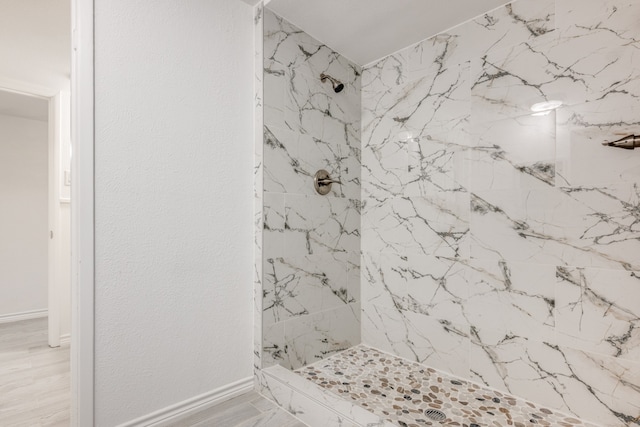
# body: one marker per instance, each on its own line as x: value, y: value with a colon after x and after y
x: 25, y: 315
x: 185, y: 408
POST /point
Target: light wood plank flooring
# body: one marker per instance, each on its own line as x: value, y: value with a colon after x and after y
x: 35, y: 388
x: 34, y: 378
x: 248, y: 410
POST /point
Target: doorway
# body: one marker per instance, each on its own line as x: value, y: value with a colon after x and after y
x: 35, y: 259
x: 24, y: 215
x: 35, y: 48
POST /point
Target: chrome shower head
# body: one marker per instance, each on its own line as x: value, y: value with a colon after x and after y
x: 337, y: 85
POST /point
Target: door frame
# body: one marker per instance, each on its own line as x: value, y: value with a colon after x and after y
x: 82, y: 213
x: 82, y: 206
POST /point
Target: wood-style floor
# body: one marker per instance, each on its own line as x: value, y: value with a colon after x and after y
x: 34, y: 378
x: 248, y: 410
x: 35, y: 387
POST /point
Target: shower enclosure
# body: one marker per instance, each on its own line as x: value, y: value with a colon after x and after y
x: 470, y: 235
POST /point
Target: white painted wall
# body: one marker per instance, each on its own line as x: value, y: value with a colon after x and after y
x: 173, y: 202
x: 23, y: 214
x: 35, y: 42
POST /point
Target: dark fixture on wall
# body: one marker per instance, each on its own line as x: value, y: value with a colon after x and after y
x: 628, y: 142
x: 337, y: 85
x: 322, y: 182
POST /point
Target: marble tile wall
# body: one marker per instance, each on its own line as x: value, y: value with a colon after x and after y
x: 258, y: 193
x: 497, y: 245
x: 311, y: 244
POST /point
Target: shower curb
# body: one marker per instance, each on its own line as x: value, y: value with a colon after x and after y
x: 312, y: 404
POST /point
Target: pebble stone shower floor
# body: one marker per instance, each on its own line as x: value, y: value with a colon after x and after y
x: 406, y: 393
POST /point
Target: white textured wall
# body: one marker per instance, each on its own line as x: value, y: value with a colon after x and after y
x: 173, y: 202
x: 23, y: 215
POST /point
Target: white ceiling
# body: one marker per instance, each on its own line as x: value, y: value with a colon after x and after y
x: 29, y: 107
x: 35, y: 42
x: 366, y: 30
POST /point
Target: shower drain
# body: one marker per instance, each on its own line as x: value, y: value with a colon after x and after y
x: 435, y: 415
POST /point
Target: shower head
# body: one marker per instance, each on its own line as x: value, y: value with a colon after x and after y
x: 337, y: 85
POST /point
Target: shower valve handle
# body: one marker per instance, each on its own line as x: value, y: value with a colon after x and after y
x: 328, y: 181
x: 322, y: 182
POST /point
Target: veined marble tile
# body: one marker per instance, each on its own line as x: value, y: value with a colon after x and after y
x: 342, y: 121
x: 570, y: 226
x: 438, y: 163
x: 327, y: 124
x: 591, y: 13
x: 283, y: 172
x: 417, y: 337
x: 296, y: 98
x: 286, y: 47
x: 300, y: 286
x: 297, y: 402
x: 518, y: 152
x: 336, y: 281
x: 341, y: 160
x: 353, y: 277
x: 385, y: 168
x: 307, y: 132
x: 273, y: 345
x: 605, y: 227
x: 544, y: 194
x: 431, y: 56
x: 312, y: 243
x: 518, y: 226
x: 437, y: 287
x: 600, y: 389
x: 439, y: 224
x: 603, y: 54
x: 507, y: 82
x: 315, y: 154
x: 384, y: 279
x: 511, y: 299
x: 513, y: 23
x: 312, y: 404
x: 273, y: 225
x: 306, y: 104
x: 436, y: 225
x: 319, y: 224
x: 291, y: 161
x: 274, y: 98
x: 519, y: 366
x: 383, y: 230
x: 313, y: 108
x: 350, y: 168
x: 581, y: 130
x: 584, y: 64
x: 288, y: 292
x: 597, y: 311
x: 435, y: 101
x: 613, y: 395
x: 316, y: 336
x: 258, y: 187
